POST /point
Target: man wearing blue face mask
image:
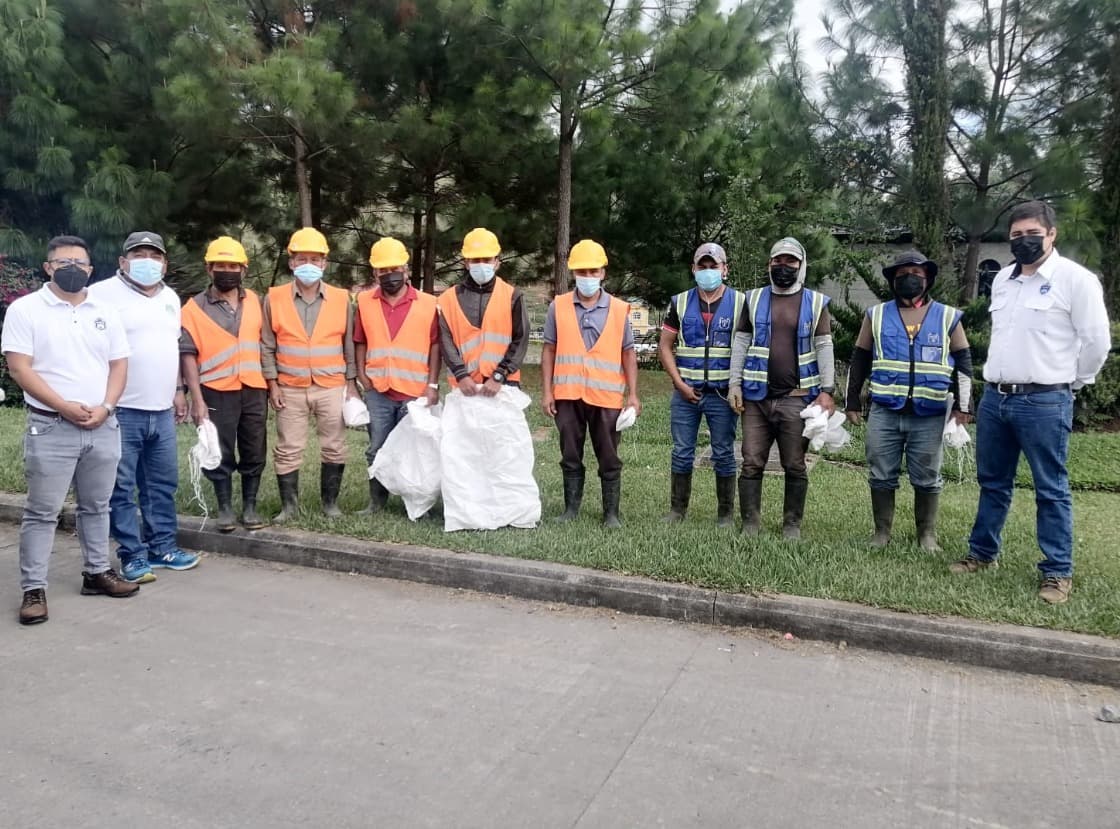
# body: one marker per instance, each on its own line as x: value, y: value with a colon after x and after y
x: 695, y: 351
x: 152, y: 404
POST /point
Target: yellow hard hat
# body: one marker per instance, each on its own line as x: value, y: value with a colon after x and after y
x: 587, y: 256
x: 308, y: 240
x: 226, y: 249
x: 388, y: 253
x: 480, y: 243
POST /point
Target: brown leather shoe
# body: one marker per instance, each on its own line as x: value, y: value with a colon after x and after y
x: 972, y: 565
x: 1055, y: 590
x: 33, y: 611
x: 108, y: 584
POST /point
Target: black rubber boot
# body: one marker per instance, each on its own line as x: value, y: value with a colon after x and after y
x: 882, y: 510
x: 223, y: 491
x: 573, y: 497
x: 289, y: 497
x: 725, y: 499
x: 378, y: 498
x: 680, y: 492
x: 750, y: 505
x: 612, y: 492
x: 794, y: 507
x: 250, y: 518
x: 925, y: 517
x: 330, y: 482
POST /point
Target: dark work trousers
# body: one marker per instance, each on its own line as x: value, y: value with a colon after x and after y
x: 764, y: 421
x: 575, y: 419
x: 241, y: 420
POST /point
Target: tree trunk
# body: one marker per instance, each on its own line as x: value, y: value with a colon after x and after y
x: 1108, y: 196
x: 416, y: 275
x: 563, y: 197
x: 430, y: 230
x: 303, y: 183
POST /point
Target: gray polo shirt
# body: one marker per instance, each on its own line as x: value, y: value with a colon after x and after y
x: 591, y: 321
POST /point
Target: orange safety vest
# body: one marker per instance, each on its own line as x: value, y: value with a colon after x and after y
x: 226, y: 362
x: 399, y: 363
x: 594, y: 376
x: 482, y: 348
x: 301, y: 356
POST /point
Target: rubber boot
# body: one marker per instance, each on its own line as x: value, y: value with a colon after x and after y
x: 794, y: 507
x: 725, y: 499
x: 250, y: 518
x: 882, y: 510
x: 378, y: 498
x: 289, y: 497
x: 330, y: 482
x: 750, y: 504
x: 223, y: 491
x: 680, y: 492
x: 612, y: 492
x: 925, y: 517
x: 573, y: 497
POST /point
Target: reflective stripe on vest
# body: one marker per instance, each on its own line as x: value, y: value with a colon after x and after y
x: 482, y: 349
x: 921, y: 370
x: 399, y: 363
x: 226, y: 362
x: 304, y: 357
x: 592, y: 375
x: 703, y: 352
x: 756, y: 367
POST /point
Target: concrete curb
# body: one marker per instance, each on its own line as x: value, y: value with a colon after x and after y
x: 1069, y: 656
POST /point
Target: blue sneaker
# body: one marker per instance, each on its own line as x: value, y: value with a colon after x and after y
x: 137, y: 571
x: 173, y: 560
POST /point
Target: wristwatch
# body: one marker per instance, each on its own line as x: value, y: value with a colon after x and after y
x: 829, y: 390
x: 110, y: 409
x: 498, y: 377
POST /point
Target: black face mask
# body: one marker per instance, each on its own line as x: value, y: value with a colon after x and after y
x: 70, y: 279
x: 909, y: 286
x: 1027, y: 249
x: 227, y: 280
x: 784, y: 276
x: 391, y: 282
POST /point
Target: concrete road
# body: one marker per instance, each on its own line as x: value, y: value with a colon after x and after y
x: 250, y: 695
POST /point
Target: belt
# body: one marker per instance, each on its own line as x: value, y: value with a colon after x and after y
x: 1028, y: 388
x: 43, y: 412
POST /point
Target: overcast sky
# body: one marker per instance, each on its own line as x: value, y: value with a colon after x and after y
x: 807, y: 21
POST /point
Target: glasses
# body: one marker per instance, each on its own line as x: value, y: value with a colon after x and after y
x: 62, y: 263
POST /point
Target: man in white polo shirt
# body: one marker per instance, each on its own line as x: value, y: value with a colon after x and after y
x: 152, y: 404
x: 1050, y: 337
x: 68, y: 353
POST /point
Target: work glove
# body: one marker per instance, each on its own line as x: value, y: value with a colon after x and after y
x: 735, y: 398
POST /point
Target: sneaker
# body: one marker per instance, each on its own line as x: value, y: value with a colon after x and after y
x: 1055, y: 590
x: 107, y: 584
x: 173, y: 560
x: 33, y: 611
x: 137, y: 571
x: 972, y: 565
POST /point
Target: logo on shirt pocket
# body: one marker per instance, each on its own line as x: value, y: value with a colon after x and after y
x: 99, y: 324
x: 1044, y: 288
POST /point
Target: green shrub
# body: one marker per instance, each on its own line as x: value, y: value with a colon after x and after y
x: 15, y: 281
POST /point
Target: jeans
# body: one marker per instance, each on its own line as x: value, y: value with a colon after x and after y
x: 776, y: 418
x: 1038, y: 425
x: 684, y: 423
x: 889, y: 434
x: 384, y: 415
x: 57, y: 453
x: 149, y: 466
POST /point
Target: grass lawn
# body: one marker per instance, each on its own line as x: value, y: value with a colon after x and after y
x: 832, y: 560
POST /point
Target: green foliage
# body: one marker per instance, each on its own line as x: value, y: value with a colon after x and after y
x: 15, y: 281
x: 1099, y: 403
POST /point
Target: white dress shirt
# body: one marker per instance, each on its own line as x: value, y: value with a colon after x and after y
x: 1049, y: 327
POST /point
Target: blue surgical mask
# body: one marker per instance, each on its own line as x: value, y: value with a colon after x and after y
x: 481, y: 273
x: 146, y: 272
x: 308, y: 274
x: 588, y: 286
x: 708, y: 279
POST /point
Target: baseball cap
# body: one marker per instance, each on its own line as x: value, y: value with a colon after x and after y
x: 144, y: 239
x: 789, y: 246
x: 710, y: 249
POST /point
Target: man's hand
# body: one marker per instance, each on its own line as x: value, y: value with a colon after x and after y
x: 468, y: 386
x: 855, y: 416
x: 491, y: 388
x: 75, y: 412
x: 97, y: 415
x: 825, y: 401
x: 962, y: 418
x: 432, y: 396
x: 352, y: 389
x: 689, y: 394
x: 548, y: 405
x: 635, y: 404
x: 199, y: 410
x: 180, y: 405
x: 275, y: 396
x: 735, y: 398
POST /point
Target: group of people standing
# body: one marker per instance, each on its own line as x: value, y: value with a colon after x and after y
x: 107, y: 373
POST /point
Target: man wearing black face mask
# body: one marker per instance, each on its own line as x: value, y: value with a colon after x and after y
x: 916, y: 353
x: 1050, y: 337
x: 220, y: 351
x: 396, y: 346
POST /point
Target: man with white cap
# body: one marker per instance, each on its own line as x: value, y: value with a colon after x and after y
x: 783, y: 356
